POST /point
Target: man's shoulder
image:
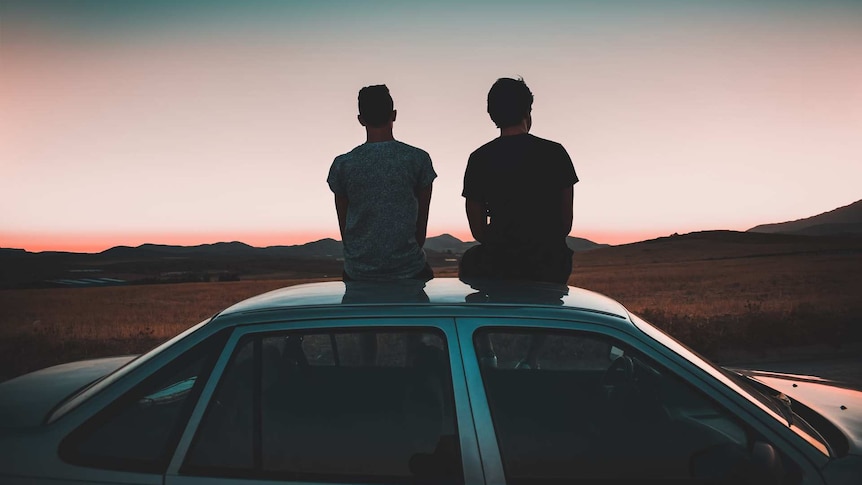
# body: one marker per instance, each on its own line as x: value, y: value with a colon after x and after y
x: 415, y: 151
x: 545, y: 143
x: 533, y: 142
x: 353, y: 153
x: 488, y: 147
x: 391, y: 147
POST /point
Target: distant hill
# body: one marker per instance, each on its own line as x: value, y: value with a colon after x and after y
x: 578, y: 244
x: 323, y: 249
x: 717, y: 245
x: 446, y: 243
x: 220, y: 249
x: 844, y: 220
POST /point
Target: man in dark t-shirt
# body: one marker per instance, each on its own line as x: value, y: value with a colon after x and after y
x: 518, y: 191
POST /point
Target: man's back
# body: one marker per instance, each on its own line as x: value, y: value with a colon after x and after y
x: 519, y: 178
x: 381, y: 180
x: 518, y: 196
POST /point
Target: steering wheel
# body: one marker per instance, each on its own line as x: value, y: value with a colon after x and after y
x: 621, y: 371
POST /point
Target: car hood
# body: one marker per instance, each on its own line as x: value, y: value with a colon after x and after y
x: 840, y: 405
x: 26, y: 400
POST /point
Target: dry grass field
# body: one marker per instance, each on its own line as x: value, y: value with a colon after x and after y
x: 723, y: 299
x: 43, y: 327
x: 730, y: 300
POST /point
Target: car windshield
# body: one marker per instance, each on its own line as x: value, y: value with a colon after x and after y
x: 75, y: 399
x: 763, y: 400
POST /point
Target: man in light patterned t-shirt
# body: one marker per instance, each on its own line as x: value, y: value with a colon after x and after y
x: 382, y: 194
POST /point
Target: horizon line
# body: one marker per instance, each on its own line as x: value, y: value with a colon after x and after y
x: 95, y: 243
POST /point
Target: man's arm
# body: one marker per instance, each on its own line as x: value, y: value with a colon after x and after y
x: 341, y: 203
x: 424, y: 198
x: 568, y: 211
x: 477, y: 216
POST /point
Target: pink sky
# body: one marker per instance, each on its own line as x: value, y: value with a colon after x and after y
x: 224, y: 129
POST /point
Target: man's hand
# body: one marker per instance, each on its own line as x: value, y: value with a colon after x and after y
x: 568, y: 211
x: 341, y: 203
x: 424, y: 198
x: 477, y: 216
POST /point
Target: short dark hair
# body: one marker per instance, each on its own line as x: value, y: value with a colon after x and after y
x: 375, y: 105
x: 509, y: 101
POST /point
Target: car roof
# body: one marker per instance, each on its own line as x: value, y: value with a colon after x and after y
x: 438, y: 291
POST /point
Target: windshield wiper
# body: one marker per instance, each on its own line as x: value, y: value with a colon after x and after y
x: 785, y: 407
x: 780, y: 402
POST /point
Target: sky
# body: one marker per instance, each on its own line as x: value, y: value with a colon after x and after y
x: 192, y: 122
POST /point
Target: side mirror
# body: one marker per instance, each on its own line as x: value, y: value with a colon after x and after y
x: 765, y: 457
x: 731, y: 463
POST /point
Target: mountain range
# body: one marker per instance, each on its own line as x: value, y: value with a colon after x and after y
x: 153, y: 263
x: 321, y: 249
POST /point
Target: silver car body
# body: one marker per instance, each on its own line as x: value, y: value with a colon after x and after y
x: 39, y: 410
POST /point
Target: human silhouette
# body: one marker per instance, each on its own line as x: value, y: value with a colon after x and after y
x: 518, y: 191
x: 382, y: 194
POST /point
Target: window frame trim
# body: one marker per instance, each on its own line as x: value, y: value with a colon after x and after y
x: 470, y: 457
x: 675, y: 347
x: 738, y: 406
x: 66, y: 450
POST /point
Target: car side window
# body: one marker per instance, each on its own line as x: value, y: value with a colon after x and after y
x: 318, y: 349
x: 380, y: 409
x: 571, y: 406
x: 139, y: 431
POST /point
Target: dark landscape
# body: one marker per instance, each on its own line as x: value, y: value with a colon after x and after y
x: 768, y: 294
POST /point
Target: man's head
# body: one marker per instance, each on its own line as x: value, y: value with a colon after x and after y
x: 375, y: 106
x: 509, y: 102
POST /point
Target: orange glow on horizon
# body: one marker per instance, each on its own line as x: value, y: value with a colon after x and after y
x: 96, y: 242
x: 620, y: 237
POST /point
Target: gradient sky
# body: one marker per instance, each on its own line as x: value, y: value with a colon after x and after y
x: 188, y: 122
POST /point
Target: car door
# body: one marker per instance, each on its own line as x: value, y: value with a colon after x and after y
x: 373, y: 400
x: 563, y: 402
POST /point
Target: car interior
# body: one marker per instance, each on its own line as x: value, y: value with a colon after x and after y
x: 367, y: 406
x: 377, y: 405
x: 584, y: 408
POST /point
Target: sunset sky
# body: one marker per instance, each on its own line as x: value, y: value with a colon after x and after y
x: 189, y: 122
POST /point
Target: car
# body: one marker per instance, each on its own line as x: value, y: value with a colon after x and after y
x: 445, y: 381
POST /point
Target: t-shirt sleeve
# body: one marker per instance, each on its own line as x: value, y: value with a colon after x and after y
x: 565, y: 169
x: 473, y: 182
x: 427, y: 173
x: 336, y: 184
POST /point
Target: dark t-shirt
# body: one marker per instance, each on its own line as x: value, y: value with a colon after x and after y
x: 520, y: 179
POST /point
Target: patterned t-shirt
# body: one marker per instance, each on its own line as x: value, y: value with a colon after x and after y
x: 380, y: 181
